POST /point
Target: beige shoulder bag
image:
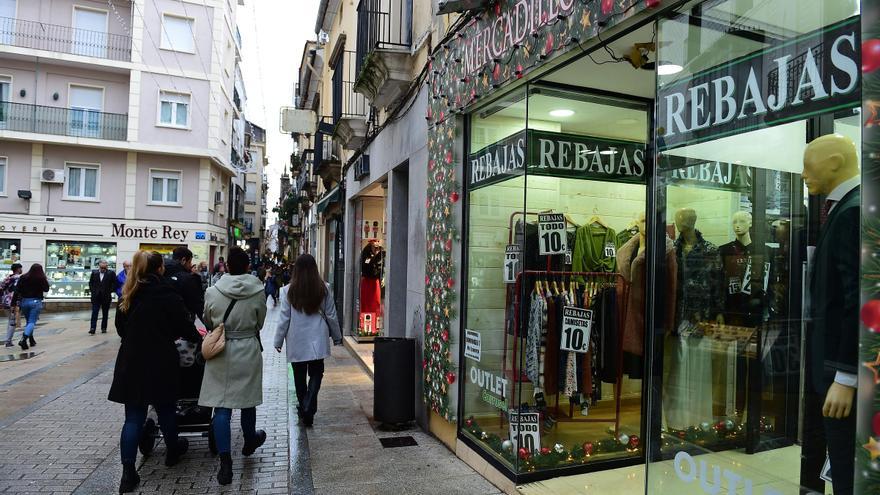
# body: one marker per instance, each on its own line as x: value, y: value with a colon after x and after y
x: 214, y: 343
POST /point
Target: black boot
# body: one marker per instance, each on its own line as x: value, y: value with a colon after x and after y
x: 250, y: 446
x: 23, y: 343
x: 175, y: 452
x: 31, y: 340
x: 224, y: 475
x: 130, y: 479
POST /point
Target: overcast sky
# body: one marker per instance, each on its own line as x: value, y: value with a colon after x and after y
x: 272, y: 34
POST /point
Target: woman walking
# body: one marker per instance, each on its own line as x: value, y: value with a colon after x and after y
x: 150, y: 317
x: 10, y: 301
x: 234, y: 378
x: 308, y: 319
x: 32, y: 286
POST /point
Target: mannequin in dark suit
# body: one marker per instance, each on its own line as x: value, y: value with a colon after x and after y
x: 831, y: 169
x: 102, y: 285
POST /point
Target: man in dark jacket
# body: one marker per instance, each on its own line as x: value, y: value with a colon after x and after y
x: 178, y: 272
x: 102, y: 285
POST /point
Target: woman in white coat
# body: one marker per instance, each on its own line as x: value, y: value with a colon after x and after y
x: 308, y: 321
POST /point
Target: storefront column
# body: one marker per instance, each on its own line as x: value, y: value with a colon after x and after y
x: 204, y: 190
x: 130, y: 184
x: 36, y: 184
x: 352, y: 258
x: 397, y: 211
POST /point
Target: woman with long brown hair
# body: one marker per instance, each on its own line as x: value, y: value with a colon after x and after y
x: 31, y: 288
x: 308, y: 320
x: 150, y: 317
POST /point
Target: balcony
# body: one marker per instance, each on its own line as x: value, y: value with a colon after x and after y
x: 327, y: 164
x: 22, y: 117
x: 236, y: 99
x: 64, y: 39
x: 350, y: 109
x: 384, y: 62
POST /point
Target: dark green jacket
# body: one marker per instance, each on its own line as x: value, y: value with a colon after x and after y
x: 834, y: 295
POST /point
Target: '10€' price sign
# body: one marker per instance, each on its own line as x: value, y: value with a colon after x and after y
x: 576, y: 326
x: 551, y: 234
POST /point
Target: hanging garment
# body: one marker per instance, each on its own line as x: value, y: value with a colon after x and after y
x: 625, y: 235
x: 743, y: 273
x: 526, y: 235
x: 699, y: 282
x: 371, y: 296
x: 537, y: 321
x: 607, y: 330
x: 595, y: 247
x: 550, y: 345
x: 632, y: 267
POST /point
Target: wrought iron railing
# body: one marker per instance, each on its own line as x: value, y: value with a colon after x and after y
x: 382, y: 24
x: 346, y: 103
x: 59, y: 121
x: 65, y: 39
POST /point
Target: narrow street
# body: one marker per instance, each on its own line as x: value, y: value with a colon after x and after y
x: 60, y: 434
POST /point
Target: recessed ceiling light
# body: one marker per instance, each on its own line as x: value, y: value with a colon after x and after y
x: 608, y: 152
x: 561, y: 112
x: 669, y: 69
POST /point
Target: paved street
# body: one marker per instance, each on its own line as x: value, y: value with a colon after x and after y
x: 59, y: 434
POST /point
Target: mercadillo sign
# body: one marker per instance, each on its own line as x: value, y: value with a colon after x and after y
x: 817, y: 72
x: 559, y: 155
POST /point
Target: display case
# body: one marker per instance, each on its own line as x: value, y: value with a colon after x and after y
x: 10, y: 252
x: 69, y: 265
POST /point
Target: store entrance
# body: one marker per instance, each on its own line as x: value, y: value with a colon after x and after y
x: 369, y: 274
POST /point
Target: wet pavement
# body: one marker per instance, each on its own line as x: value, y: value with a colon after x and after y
x: 59, y: 434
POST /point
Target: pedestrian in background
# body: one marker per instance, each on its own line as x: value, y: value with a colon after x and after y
x: 120, y: 279
x: 204, y: 275
x: 150, y: 317
x: 178, y: 272
x: 31, y: 288
x: 308, y: 320
x: 234, y: 378
x: 102, y: 285
x: 272, y: 285
x: 219, y: 271
x: 10, y: 301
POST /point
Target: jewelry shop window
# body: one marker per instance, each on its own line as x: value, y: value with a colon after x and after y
x: 69, y: 265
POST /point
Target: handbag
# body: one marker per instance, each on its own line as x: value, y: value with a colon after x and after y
x: 214, y: 343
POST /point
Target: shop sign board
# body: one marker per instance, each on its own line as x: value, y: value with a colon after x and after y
x: 525, y: 430
x: 576, y: 326
x: 512, y: 262
x: 472, y: 345
x: 558, y: 155
x: 166, y: 232
x: 551, y: 234
x: 817, y: 72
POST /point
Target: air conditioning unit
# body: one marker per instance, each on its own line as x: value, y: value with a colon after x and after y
x: 52, y: 175
x: 218, y: 197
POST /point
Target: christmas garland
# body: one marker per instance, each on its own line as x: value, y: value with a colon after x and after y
x: 452, y: 90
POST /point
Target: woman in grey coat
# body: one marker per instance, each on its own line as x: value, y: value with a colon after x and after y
x: 308, y: 321
x: 234, y: 378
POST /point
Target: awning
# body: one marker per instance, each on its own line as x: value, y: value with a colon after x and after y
x: 330, y: 197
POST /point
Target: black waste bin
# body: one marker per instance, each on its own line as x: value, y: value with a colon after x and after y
x: 394, y: 380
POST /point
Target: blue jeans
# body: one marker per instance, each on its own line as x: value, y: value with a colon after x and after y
x: 30, y: 309
x: 135, y: 416
x: 221, y: 426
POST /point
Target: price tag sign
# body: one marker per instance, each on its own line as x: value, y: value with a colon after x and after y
x: 525, y: 431
x: 576, y: 326
x: 610, y: 250
x: 512, y: 262
x: 551, y: 234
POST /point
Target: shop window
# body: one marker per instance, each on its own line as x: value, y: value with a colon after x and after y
x: 10, y: 252
x: 553, y: 362
x: 82, y: 181
x: 3, y: 174
x: 69, y: 265
x: 369, y: 299
x: 174, y: 109
x: 164, y: 187
x: 743, y: 87
x: 178, y: 34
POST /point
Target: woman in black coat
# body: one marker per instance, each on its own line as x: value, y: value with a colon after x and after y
x: 149, y: 319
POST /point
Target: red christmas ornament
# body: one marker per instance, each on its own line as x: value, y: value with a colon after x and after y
x: 870, y: 55
x: 454, y: 196
x: 652, y: 3
x: 425, y: 364
x: 441, y: 115
x: 548, y: 47
x: 871, y: 313
x: 633, y: 442
x: 450, y: 283
x: 496, y: 72
x: 523, y: 454
x: 545, y: 451
x: 875, y: 424
x: 469, y: 422
x: 430, y: 115
x: 588, y: 448
x: 607, y: 6
x: 498, y: 8
x: 445, y: 335
x: 448, y: 160
x: 519, y: 71
x: 428, y: 282
x: 448, y: 244
x: 450, y: 378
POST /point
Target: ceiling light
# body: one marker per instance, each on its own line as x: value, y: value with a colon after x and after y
x: 669, y: 69
x: 608, y: 152
x: 561, y: 112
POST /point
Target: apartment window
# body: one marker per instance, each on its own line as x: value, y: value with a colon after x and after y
x: 164, y: 187
x: 3, y: 168
x: 174, y: 109
x: 81, y: 181
x: 250, y: 194
x: 177, y: 33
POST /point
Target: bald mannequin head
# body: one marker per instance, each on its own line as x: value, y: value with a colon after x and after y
x: 828, y: 162
x: 742, y: 222
x: 685, y: 219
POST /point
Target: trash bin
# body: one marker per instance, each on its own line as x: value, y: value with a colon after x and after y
x: 394, y: 380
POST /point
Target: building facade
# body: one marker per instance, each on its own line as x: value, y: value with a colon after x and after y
x: 115, y: 132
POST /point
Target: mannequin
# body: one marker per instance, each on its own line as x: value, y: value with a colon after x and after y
x: 743, y: 275
x: 831, y: 168
x: 372, y: 270
x: 699, y: 272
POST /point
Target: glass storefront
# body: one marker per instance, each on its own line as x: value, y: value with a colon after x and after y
x: 69, y: 265
x: 637, y: 253
x: 10, y: 252
x: 369, y: 273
